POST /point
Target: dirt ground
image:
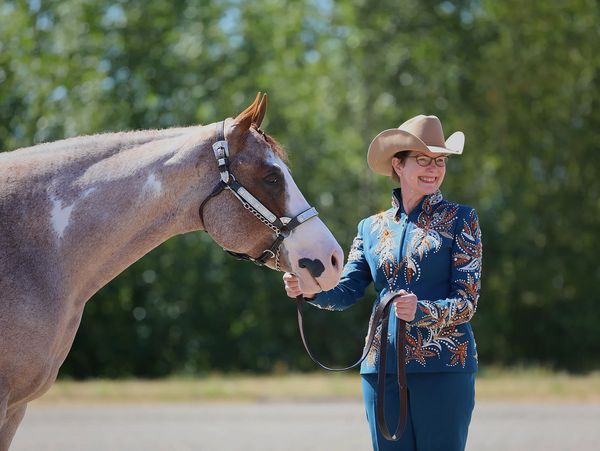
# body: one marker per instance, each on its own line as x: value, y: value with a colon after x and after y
x: 277, y: 426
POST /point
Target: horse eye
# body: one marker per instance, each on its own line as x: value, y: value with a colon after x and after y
x: 272, y: 179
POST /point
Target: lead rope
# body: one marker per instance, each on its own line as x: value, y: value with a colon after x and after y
x: 380, y: 315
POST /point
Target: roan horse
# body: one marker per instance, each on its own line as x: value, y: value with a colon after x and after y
x: 75, y: 213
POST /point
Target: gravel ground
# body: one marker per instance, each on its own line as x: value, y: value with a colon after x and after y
x: 277, y: 426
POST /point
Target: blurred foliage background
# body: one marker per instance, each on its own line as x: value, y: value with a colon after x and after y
x: 521, y: 79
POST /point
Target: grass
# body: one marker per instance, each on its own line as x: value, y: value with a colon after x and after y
x: 521, y: 385
x: 537, y: 384
x: 210, y: 388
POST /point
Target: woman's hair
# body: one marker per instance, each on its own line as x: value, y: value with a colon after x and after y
x: 402, y: 156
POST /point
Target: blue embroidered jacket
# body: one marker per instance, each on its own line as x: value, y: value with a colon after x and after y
x: 434, y: 252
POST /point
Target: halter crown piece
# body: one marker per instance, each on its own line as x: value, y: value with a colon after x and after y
x: 281, y: 226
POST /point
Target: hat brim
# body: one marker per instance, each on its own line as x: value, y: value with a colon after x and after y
x: 387, y: 143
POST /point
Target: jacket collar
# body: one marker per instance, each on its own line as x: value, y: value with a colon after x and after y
x: 425, y: 204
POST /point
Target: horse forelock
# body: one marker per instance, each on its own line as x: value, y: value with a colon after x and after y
x: 275, y: 146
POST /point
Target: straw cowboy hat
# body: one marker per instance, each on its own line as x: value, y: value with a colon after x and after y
x: 421, y: 133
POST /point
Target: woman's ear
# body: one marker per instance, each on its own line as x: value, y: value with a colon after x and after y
x: 397, y: 165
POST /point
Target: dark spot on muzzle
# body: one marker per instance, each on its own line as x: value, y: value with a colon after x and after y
x: 315, y: 267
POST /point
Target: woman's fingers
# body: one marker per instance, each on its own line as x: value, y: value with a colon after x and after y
x: 292, y: 287
x: 405, y: 306
x: 289, y: 278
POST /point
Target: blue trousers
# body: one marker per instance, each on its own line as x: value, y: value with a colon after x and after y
x: 439, y: 411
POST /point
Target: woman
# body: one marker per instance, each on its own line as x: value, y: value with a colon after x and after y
x: 429, y: 250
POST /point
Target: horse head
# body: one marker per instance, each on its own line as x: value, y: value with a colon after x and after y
x: 261, y: 214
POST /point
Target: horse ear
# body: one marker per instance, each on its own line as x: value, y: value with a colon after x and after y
x: 244, y: 120
x: 260, y: 111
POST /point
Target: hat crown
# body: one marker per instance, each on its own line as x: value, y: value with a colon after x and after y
x: 420, y: 133
x: 427, y: 128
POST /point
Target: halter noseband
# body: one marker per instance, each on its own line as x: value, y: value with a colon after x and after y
x: 282, y: 226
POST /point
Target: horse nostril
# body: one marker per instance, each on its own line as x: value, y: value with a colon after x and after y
x: 314, y: 267
x: 337, y: 259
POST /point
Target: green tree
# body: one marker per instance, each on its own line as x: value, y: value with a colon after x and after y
x: 521, y: 79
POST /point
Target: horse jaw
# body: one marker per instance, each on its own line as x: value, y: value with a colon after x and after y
x: 311, y: 240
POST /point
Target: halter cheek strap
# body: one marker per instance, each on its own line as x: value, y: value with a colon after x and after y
x: 281, y: 226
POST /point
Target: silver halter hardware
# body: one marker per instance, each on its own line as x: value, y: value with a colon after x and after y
x: 282, y: 226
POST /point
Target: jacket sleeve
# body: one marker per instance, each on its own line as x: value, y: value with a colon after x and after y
x: 460, y: 306
x: 356, y: 277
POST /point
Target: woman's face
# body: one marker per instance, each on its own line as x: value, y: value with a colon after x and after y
x: 417, y: 180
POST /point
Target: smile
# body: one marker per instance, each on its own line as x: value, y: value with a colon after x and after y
x: 428, y: 179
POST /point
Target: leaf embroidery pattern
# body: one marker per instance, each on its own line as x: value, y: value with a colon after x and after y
x: 468, y: 259
x: 387, y: 244
x: 356, y: 250
x: 437, y: 329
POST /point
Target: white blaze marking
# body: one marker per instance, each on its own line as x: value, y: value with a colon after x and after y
x: 295, y: 203
x: 60, y: 216
x: 310, y: 240
x: 153, y: 185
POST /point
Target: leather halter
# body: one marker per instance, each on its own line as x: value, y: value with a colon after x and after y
x: 381, y: 315
x: 281, y: 226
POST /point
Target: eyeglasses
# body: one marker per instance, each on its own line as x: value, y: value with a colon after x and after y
x: 424, y: 160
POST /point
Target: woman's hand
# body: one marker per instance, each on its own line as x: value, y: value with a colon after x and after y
x: 405, y: 305
x: 292, y: 286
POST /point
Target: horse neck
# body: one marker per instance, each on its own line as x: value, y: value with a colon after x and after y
x: 102, y: 202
